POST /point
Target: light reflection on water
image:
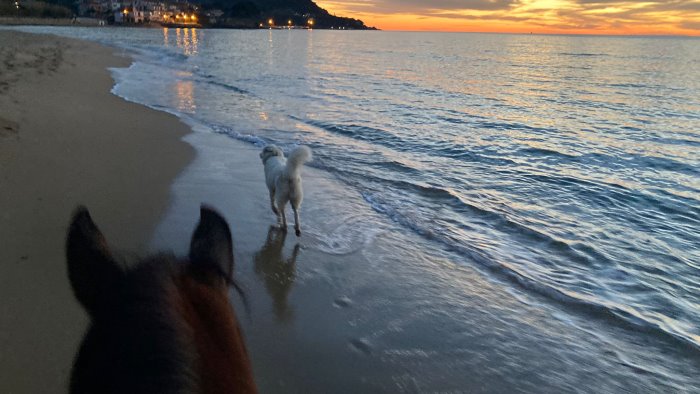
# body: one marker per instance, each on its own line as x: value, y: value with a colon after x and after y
x: 165, y: 37
x: 186, y: 39
x: 185, y: 96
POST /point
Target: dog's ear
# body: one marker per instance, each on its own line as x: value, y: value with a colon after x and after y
x: 211, y: 248
x: 266, y: 152
x: 92, y: 271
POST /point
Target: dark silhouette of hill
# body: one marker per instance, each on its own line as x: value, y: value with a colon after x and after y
x: 254, y: 12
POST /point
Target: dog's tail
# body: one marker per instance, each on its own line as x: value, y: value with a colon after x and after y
x: 297, y: 158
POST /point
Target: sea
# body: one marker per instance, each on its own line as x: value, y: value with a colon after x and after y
x: 561, y: 172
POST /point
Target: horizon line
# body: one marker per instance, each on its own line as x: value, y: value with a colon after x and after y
x: 374, y: 28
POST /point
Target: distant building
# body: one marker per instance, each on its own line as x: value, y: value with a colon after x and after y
x: 214, y: 16
x: 140, y: 11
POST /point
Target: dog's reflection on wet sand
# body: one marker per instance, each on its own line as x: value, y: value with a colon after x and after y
x: 276, y: 272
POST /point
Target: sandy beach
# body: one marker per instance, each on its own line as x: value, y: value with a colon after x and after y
x: 66, y: 140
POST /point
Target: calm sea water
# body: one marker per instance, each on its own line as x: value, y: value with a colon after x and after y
x: 566, y: 168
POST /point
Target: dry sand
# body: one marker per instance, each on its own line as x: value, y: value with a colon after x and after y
x: 31, y: 21
x: 66, y: 140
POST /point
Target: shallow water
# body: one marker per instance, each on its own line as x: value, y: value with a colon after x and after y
x: 552, y: 181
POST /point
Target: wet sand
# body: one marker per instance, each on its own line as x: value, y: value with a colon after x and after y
x: 66, y: 140
x: 327, y: 313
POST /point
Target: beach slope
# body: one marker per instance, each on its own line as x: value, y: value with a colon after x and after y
x: 66, y: 140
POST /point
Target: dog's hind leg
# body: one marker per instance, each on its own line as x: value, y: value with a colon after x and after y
x: 284, y: 218
x: 272, y: 205
x: 297, y: 223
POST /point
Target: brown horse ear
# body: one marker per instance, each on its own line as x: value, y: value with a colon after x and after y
x: 91, y: 269
x: 211, y: 249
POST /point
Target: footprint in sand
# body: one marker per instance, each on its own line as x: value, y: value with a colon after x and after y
x: 8, y: 128
x: 361, y: 345
x: 342, y: 302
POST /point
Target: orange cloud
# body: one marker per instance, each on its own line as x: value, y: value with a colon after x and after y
x: 669, y: 17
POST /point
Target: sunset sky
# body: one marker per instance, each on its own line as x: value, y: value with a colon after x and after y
x: 537, y: 16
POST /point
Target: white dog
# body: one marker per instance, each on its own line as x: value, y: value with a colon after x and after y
x: 283, y: 178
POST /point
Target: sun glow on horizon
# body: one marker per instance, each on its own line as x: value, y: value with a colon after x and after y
x: 650, y: 17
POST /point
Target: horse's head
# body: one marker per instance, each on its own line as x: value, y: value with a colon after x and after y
x: 164, y: 325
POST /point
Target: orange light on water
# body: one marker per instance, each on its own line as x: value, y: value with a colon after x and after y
x: 185, y: 96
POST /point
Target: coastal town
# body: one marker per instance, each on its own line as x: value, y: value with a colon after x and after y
x: 176, y: 13
x: 146, y: 12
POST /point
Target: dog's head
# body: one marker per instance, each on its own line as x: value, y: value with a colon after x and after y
x: 270, y: 151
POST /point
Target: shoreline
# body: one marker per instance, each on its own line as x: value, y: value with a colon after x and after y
x: 36, y: 21
x: 65, y: 140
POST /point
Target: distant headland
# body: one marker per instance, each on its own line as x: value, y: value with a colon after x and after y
x: 251, y: 14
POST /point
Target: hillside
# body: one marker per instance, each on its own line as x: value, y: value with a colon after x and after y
x: 254, y: 12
